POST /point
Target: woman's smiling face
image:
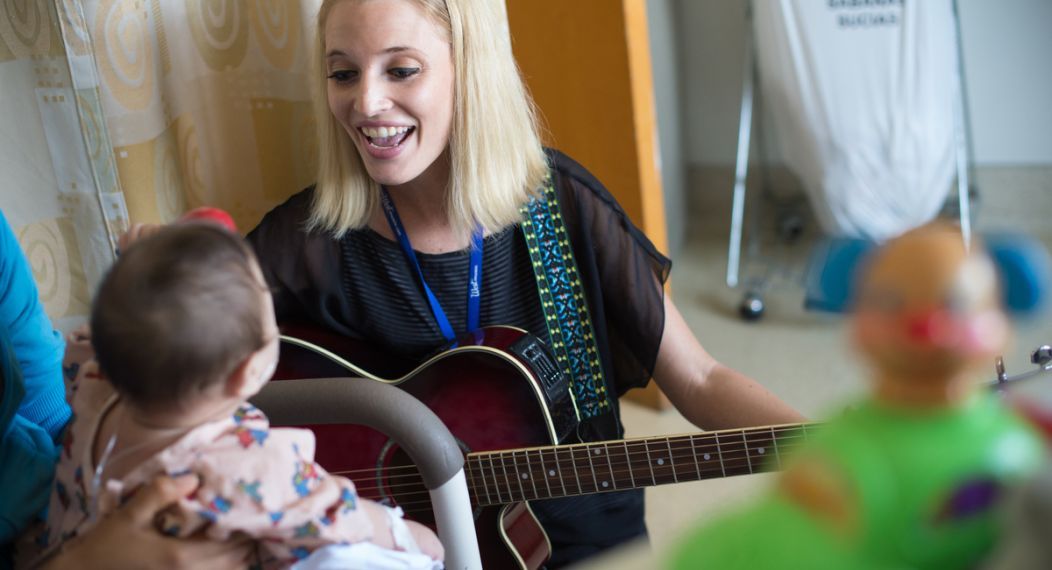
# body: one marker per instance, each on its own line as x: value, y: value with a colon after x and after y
x: 390, y: 85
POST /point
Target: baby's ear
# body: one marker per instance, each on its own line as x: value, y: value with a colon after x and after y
x: 1025, y: 271
x: 239, y: 380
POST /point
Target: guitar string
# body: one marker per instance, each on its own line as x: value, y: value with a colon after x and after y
x: 418, y: 498
x: 731, y: 447
x: 733, y: 458
x: 407, y: 493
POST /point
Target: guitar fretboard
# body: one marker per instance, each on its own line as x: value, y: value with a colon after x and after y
x: 501, y: 477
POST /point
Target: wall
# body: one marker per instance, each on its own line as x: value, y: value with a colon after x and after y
x: 664, y: 46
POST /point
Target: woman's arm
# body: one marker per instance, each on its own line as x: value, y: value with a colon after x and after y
x: 36, y: 345
x: 706, y: 392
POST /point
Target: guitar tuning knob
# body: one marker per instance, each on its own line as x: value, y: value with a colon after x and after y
x: 1042, y: 355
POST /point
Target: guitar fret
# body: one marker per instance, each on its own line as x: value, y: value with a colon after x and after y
x: 777, y: 456
x: 719, y: 453
x: 671, y: 461
x: 529, y: 473
x: 745, y: 444
x: 661, y: 468
x: 576, y: 475
x: 507, y: 481
x: 493, y: 471
x: 559, y: 470
x: 544, y: 469
x: 628, y: 461
x: 685, y: 457
x: 518, y: 478
x: 694, y: 454
x: 613, y: 476
x: 595, y: 478
x: 473, y: 467
x: 650, y: 463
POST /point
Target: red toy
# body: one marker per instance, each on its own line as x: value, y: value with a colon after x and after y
x: 211, y: 214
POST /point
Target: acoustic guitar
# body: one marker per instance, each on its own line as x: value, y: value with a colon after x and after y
x: 496, y: 392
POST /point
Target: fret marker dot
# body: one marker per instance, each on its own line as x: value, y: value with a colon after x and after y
x: 605, y: 484
x: 551, y: 472
x: 525, y: 476
x: 597, y: 452
x: 706, y: 457
x: 661, y: 461
x: 759, y: 450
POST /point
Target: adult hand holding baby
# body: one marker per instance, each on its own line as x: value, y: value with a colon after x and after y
x: 128, y: 538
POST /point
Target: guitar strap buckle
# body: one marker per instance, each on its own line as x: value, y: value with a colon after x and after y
x: 553, y: 382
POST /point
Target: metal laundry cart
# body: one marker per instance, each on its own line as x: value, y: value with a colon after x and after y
x: 789, y: 222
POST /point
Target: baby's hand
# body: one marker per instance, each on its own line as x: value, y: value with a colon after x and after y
x: 78, y: 351
x: 396, y: 533
x: 426, y: 540
x: 135, y: 233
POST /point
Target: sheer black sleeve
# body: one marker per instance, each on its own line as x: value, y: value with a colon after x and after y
x: 622, y: 272
x: 302, y: 268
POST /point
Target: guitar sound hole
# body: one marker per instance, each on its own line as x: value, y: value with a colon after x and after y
x: 400, y: 483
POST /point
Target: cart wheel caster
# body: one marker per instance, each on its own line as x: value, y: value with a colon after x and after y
x: 790, y: 227
x: 751, y: 307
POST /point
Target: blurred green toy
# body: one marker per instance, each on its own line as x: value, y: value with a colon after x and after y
x: 913, y: 476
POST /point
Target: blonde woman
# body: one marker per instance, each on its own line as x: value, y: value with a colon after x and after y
x: 429, y: 150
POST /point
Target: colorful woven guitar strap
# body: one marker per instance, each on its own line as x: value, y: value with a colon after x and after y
x: 563, y: 303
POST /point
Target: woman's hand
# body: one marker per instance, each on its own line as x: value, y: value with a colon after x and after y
x: 128, y: 539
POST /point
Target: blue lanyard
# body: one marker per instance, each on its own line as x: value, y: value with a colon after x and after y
x: 474, y: 270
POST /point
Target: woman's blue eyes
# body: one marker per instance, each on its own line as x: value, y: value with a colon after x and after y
x: 345, y: 75
x: 341, y: 76
x: 404, y: 72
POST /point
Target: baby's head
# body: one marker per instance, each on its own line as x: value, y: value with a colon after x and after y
x: 183, y: 315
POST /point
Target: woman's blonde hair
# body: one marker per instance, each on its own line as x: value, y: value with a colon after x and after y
x: 496, y: 158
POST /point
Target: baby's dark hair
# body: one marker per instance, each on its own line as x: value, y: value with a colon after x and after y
x: 177, y: 313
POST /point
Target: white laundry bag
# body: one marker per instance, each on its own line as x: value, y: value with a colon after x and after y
x: 861, y: 93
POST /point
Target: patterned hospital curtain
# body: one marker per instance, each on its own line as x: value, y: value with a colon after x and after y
x: 114, y: 111
x: 58, y: 184
x: 206, y: 101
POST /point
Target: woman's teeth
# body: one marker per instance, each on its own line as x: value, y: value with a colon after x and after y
x: 383, y: 132
x: 385, y: 137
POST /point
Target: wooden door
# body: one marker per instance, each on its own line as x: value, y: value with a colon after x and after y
x: 587, y: 65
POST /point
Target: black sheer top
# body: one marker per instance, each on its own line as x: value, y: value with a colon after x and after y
x: 363, y: 287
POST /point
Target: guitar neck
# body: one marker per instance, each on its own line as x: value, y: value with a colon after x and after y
x: 500, y: 477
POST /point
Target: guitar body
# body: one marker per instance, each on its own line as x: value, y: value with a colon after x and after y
x: 484, y: 396
x: 505, y: 400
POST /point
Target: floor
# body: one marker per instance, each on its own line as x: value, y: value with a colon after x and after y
x: 801, y: 356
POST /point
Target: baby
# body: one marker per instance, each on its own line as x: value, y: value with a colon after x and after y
x: 184, y: 333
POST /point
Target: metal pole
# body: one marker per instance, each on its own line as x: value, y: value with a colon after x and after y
x: 961, y: 135
x: 742, y: 163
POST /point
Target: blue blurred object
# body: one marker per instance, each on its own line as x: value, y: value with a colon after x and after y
x: 1023, y: 264
x: 832, y: 271
x: 1025, y: 269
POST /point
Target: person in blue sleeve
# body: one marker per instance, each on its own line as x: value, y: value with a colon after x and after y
x: 33, y: 409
